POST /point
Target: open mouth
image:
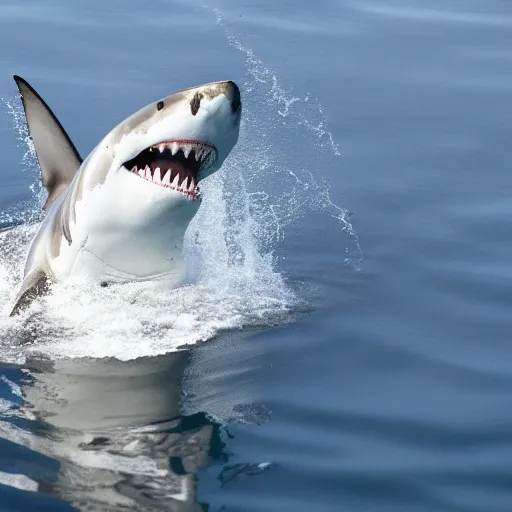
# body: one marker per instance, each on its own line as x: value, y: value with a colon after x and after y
x: 175, y: 164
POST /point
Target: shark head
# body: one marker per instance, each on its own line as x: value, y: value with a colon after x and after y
x: 175, y: 142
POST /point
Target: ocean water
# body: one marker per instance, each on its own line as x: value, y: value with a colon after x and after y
x: 343, y: 341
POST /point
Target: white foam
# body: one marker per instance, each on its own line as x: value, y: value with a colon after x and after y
x: 132, y: 320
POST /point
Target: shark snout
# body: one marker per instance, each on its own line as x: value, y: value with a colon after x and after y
x: 232, y: 93
x: 228, y: 89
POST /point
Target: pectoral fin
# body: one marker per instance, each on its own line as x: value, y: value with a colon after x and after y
x: 58, y: 158
x: 33, y: 285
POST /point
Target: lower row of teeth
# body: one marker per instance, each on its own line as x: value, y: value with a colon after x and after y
x: 187, y: 185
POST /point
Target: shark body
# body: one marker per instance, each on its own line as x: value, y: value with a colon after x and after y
x: 120, y: 215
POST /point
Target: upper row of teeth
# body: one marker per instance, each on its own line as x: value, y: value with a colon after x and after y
x: 156, y: 177
x: 200, y: 152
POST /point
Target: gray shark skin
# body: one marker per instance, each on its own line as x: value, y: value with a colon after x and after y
x: 120, y: 214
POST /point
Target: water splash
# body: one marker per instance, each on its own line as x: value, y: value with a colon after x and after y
x: 235, y: 287
x: 29, y: 211
x: 271, y: 179
x: 130, y: 321
x: 290, y: 148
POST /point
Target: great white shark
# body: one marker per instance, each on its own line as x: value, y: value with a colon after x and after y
x: 121, y: 214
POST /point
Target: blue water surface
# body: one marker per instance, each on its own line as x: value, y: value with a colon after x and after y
x: 388, y: 388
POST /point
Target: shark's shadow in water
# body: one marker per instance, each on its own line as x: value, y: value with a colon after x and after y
x: 115, y: 428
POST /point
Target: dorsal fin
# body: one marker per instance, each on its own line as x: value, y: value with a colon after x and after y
x: 58, y: 158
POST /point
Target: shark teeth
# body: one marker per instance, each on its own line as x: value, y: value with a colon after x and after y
x: 156, y: 176
x: 186, y: 186
x: 175, y: 164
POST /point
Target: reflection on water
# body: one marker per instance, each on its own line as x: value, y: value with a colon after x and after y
x: 116, y: 429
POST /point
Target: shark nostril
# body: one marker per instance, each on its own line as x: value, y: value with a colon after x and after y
x: 160, y: 105
x: 195, y: 103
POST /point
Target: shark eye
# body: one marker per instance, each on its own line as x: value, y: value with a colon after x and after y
x: 160, y: 105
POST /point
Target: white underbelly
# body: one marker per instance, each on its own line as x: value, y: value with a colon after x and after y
x: 91, y: 267
x: 126, y: 230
